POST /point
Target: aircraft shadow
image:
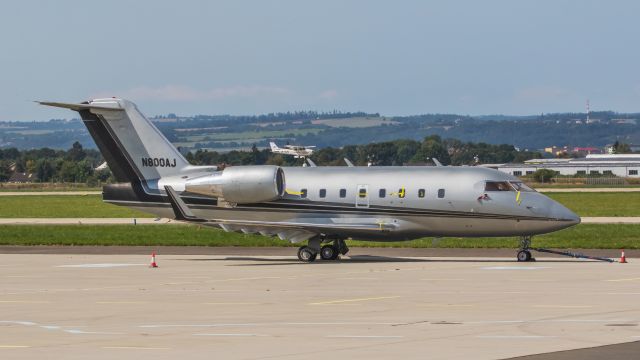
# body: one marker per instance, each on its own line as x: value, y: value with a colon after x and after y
x: 260, y: 261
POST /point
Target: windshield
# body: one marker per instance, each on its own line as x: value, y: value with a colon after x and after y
x: 497, y: 186
x: 520, y: 186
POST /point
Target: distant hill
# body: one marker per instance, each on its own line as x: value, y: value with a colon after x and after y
x: 335, y: 129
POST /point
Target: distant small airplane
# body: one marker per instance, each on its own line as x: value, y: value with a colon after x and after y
x: 296, y: 150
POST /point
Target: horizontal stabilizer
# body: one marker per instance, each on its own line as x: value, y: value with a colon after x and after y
x: 78, y: 107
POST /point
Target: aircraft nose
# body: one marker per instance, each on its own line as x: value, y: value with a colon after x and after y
x: 561, y: 213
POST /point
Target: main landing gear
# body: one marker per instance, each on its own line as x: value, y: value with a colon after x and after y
x: 525, y: 244
x: 331, y: 251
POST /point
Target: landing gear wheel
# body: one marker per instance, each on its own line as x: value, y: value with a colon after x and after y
x: 306, y: 254
x: 329, y: 252
x: 524, y: 255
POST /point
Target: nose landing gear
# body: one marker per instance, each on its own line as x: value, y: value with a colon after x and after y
x: 524, y: 254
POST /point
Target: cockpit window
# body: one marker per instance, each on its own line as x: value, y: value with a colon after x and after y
x: 497, y: 186
x: 520, y: 186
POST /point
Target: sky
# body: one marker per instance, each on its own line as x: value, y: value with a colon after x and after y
x: 251, y: 57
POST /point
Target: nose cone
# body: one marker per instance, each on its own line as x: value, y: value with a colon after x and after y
x: 561, y: 213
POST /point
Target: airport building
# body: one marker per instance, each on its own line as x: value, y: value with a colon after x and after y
x: 621, y: 165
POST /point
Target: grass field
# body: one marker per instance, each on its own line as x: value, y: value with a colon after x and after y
x: 70, y: 206
x: 600, y: 204
x: 62, y: 206
x: 582, y: 236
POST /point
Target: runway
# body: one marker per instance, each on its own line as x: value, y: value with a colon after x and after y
x: 77, y: 306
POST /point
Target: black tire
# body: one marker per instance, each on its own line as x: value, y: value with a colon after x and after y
x: 329, y: 252
x: 307, y: 254
x: 524, y: 255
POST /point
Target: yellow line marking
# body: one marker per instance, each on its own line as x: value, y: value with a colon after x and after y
x: 353, y: 300
x: 122, y: 302
x: 618, y: 280
x: 135, y: 348
x: 23, y: 302
x: 564, y: 306
x: 446, y: 305
x: 13, y: 346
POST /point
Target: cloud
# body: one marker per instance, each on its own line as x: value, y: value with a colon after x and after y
x: 328, y: 94
x: 182, y: 93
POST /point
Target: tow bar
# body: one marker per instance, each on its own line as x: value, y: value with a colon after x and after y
x: 573, y: 255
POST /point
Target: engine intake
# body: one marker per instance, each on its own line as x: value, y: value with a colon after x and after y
x: 241, y: 184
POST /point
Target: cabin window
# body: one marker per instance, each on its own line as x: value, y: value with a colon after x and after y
x: 529, y: 172
x: 421, y: 193
x: 401, y: 193
x: 497, y: 186
x: 343, y: 193
x: 323, y: 193
x: 303, y: 193
x: 362, y: 193
x: 633, y: 172
x: 517, y: 173
x: 581, y: 172
x: 382, y: 193
x: 594, y: 172
x: 440, y: 193
x: 608, y: 172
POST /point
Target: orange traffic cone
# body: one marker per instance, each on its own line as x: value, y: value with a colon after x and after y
x: 153, y: 260
x: 623, y: 259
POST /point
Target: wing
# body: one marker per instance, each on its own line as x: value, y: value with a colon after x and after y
x: 294, y: 230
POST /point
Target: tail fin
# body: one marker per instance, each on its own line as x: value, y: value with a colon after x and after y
x: 132, y: 146
x: 273, y: 146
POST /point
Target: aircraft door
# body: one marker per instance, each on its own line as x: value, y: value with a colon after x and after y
x: 362, y: 196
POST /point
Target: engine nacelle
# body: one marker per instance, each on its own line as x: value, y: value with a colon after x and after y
x: 241, y: 184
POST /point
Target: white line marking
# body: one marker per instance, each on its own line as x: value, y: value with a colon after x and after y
x: 342, y: 301
x: 231, y: 335
x: 514, y: 337
x: 156, y: 326
x: 135, y: 348
x: 364, y: 337
x: 104, y: 265
x: 76, y: 331
x: 13, y: 346
x: 514, y: 267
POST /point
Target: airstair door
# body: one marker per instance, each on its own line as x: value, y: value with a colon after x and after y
x: 362, y: 196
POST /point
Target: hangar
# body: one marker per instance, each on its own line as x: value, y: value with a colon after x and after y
x: 621, y: 165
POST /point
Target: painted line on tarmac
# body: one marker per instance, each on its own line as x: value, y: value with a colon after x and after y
x: 23, y: 302
x: 101, y: 265
x: 514, y: 267
x: 364, y: 337
x: 232, y: 335
x: 515, y: 337
x: 135, y: 348
x: 343, y: 301
x: 14, y: 346
x: 158, y: 326
x: 122, y: 302
x: 621, y: 280
x: 563, y: 306
x: 233, y: 303
x: 82, y: 332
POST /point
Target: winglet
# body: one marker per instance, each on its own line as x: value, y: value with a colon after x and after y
x: 437, y: 162
x: 349, y: 163
x: 180, y: 209
x: 311, y: 163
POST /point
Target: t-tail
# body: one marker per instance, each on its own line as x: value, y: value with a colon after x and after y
x: 273, y: 146
x: 133, y: 147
